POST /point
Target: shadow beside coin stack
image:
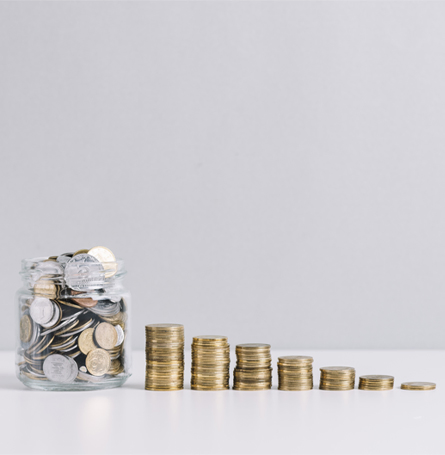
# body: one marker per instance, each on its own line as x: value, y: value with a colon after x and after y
x: 210, y: 363
x: 295, y: 372
x: 164, y: 355
x: 253, y: 369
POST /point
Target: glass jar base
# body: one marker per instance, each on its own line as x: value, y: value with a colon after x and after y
x: 77, y: 385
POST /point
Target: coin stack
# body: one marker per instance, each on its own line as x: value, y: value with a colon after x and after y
x: 210, y: 363
x: 164, y: 354
x: 295, y: 372
x: 337, y: 378
x: 376, y: 382
x: 253, y: 367
x: 418, y: 386
x: 71, y: 328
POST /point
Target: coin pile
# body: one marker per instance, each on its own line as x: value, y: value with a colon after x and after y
x: 164, y: 355
x: 71, y: 328
x: 210, y: 363
x: 253, y: 367
x: 295, y: 372
x: 337, y: 378
x: 418, y: 386
x: 376, y: 382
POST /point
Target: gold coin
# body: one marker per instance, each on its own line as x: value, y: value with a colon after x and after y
x: 295, y: 359
x: 253, y: 346
x: 80, y: 252
x: 98, y: 362
x: 25, y: 328
x: 418, y: 386
x: 106, y: 258
x: 45, y: 287
x: 337, y: 370
x: 86, y: 341
x: 106, y: 335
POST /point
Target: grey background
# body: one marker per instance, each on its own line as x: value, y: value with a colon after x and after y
x: 272, y: 171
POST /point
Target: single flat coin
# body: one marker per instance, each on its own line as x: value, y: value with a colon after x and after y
x: 253, y: 346
x: 337, y: 369
x: 86, y: 341
x: 164, y: 326
x: 41, y: 310
x: 418, y: 386
x: 107, y: 258
x: 296, y: 358
x: 25, y: 328
x: 98, y: 362
x: 106, y: 335
x: 84, y: 272
x: 59, y: 368
x: 377, y: 377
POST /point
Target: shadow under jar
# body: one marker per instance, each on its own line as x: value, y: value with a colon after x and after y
x: 73, y: 319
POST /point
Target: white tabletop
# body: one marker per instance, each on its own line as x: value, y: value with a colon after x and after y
x: 131, y: 420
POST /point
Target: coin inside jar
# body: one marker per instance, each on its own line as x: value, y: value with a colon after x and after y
x: 41, y: 310
x: 45, y: 287
x: 98, y: 362
x: 25, y: 328
x: 106, y: 335
x: 86, y: 341
x: 60, y: 368
x: 107, y: 258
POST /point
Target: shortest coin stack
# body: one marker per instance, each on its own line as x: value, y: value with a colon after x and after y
x: 337, y: 378
x: 376, y: 382
x: 418, y: 386
x: 295, y: 372
x: 210, y: 363
x: 164, y: 353
x: 253, y: 367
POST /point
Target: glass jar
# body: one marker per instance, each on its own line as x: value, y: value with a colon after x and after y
x: 73, y: 320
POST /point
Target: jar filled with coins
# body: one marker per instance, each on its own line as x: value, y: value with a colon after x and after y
x: 73, y: 318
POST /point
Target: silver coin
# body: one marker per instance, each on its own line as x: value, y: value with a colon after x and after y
x: 63, y: 259
x: 74, y: 315
x: 83, y: 272
x: 72, y: 348
x: 68, y: 343
x: 106, y: 308
x: 58, y: 326
x: 120, y: 334
x: 89, y: 377
x: 55, y: 317
x: 60, y: 368
x: 67, y: 334
x: 41, y: 310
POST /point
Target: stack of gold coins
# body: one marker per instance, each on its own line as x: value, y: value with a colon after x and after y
x: 376, y: 382
x: 337, y: 378
x: 164, y: 354
x: 253, y: 367
x: 295, y: 372
x: 418, y: 386
x: 210, y: 363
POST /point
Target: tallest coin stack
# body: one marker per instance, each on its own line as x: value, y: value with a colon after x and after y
x: 164, y: 353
